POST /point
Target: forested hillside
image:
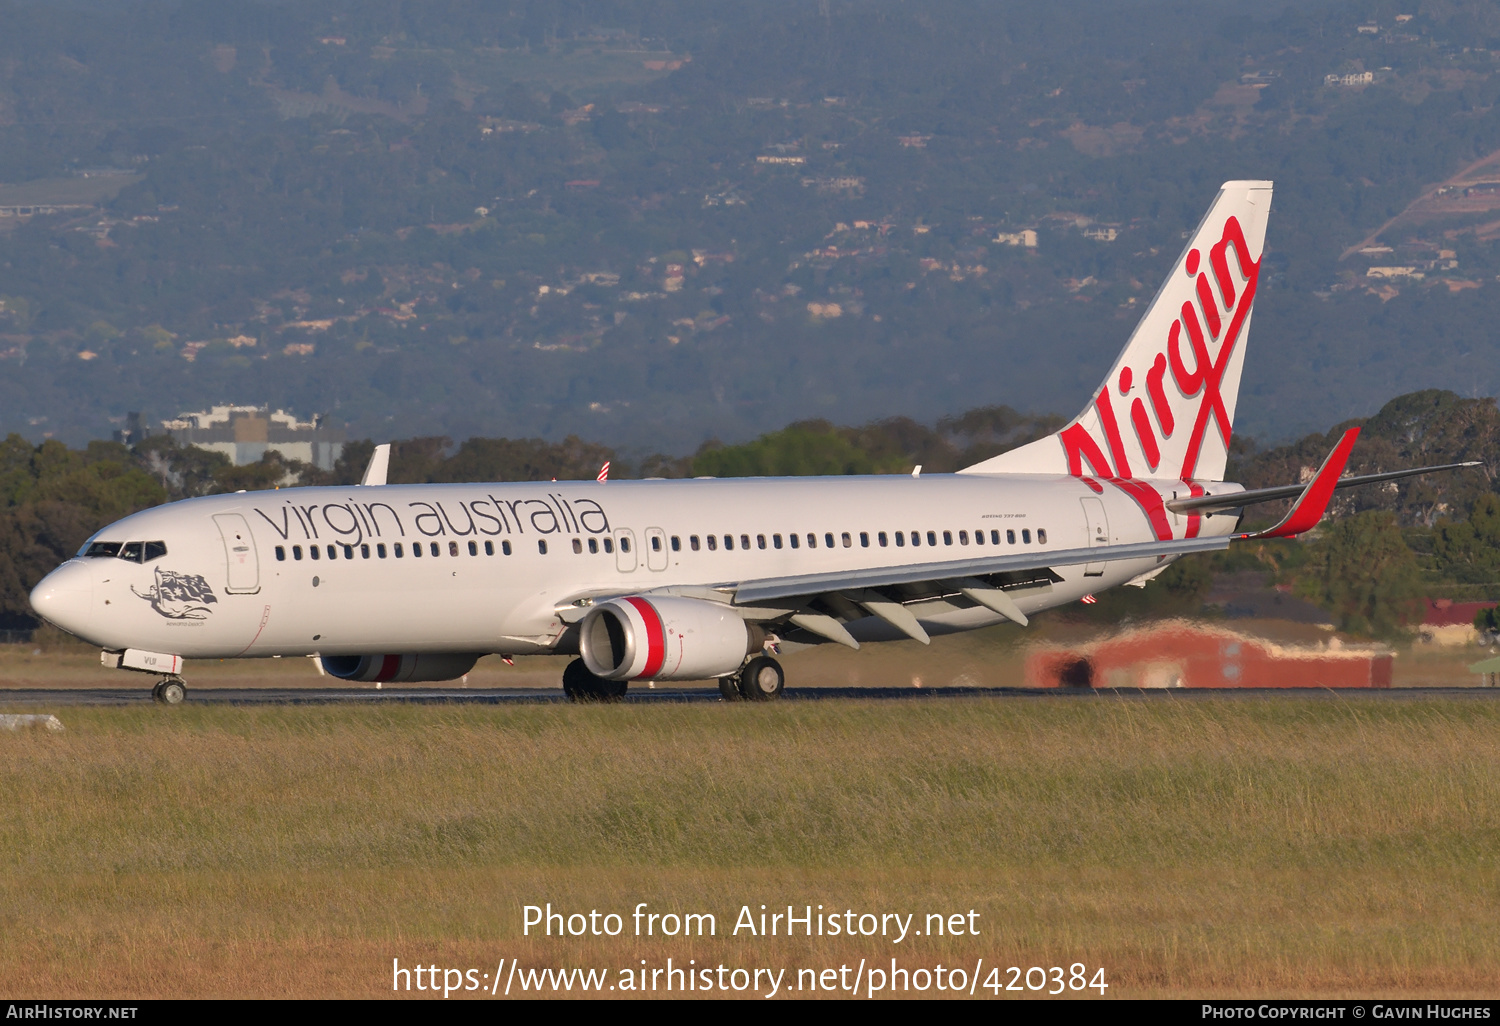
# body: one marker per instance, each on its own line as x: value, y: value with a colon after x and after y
x: 661, y: 221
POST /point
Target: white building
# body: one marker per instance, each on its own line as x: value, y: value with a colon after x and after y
x: 246, y: 433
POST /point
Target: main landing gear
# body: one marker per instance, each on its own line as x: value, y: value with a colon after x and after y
x: 582, y: 686
x: 761, y: 680
x: 170, y: 691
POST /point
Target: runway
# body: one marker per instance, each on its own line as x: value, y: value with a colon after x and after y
x: 31, y: 698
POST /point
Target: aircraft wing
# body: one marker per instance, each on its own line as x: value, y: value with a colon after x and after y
x: 982, y: 580
x: 772, y: 588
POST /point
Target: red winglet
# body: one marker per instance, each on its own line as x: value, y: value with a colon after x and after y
x: 1313, y: 502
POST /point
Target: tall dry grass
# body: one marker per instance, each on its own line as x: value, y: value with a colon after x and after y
x: 1209, y: 846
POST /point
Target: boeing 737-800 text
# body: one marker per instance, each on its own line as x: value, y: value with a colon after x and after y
x: 702, y: 579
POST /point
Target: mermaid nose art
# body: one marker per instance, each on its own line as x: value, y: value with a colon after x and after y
x: 64, y: 598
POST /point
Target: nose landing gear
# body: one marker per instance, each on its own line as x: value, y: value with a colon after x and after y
x: 170, y: 691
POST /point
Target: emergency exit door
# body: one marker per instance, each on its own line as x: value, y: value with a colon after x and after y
x: 1098, y: 528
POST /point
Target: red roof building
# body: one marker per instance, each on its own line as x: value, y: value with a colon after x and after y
x: 1181, y: 654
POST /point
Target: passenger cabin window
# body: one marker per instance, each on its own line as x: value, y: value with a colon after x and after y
x: 848, y: 541
x: 364, y: 550
x: 541, y: 547
x: 577, y: 545
x: 489, y: 548
x: 947, y: 537
x: 1041, y: 536
x: 931, y: 537
x: 380, y: 550
x: 594, y: 545
x: 963, y: 537
x: 864, y: 539
x: 713, y: 543
x: 280, y: 554
x: 609, y: 545
x: 900, y: 539
x: 729, y: 543
x: 655, y: 543
x: 760, y: 541
x: 812, y: 541
x: 1026, y: 535
x: 776, y: 541
x: 1010, y: 537
x: 625, y: 544
x: 916, y: 538
x: 435, y: 549
x: 881, y: 538
x: 416, y: 550
x: 474, y: 547
x: 333, y: 552
x: 505, y: 547
x: 745, y: 542
x: 297, y: 552
x: 994, y: 537
x: 693, y: 542
x: 828, y: 539
x: 397, y: 549
x: 796, y: 541
x: 315, y: 552
x: 348, y: 551
x: 676, y: 543
x: 978, y: 537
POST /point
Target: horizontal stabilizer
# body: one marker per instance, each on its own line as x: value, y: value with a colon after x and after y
x: 380, y: 461
x: 1234, y: 500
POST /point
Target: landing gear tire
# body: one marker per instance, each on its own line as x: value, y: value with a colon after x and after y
x: 762, y: 679
x: 582, y: 686
x: 170, y: 691
x: 729, y: 688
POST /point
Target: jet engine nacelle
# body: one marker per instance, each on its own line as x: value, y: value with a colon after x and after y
x: 664, y: 638
x: 400, y: 668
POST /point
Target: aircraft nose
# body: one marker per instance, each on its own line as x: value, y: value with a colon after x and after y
x: 64, y: 598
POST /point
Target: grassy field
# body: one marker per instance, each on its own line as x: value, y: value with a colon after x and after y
x: 1226, y: 847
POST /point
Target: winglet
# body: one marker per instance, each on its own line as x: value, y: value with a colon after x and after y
x: 380, y: 461
x: 1313, y: 502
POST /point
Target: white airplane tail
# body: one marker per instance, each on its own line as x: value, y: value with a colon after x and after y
x: 1166, y: 408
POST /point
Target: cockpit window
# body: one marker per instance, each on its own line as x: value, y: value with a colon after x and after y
x: 136, y: 552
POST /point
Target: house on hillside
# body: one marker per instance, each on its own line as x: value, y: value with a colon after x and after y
x: 1184, y: 654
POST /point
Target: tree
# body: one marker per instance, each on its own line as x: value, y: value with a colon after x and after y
x: 1361, y: 570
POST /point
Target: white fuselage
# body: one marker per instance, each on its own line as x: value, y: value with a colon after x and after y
x: 501, y: 564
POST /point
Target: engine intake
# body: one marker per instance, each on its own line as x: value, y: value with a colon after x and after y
x: 665, y: 638
x: 400, y: 668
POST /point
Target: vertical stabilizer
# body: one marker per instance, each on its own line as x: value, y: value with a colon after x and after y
x: 1166, y: 408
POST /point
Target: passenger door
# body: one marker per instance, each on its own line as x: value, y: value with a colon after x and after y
x: 239, y: 553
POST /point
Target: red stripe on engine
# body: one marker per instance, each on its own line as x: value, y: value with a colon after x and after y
x: 389, y: 666
x: 656, y: 636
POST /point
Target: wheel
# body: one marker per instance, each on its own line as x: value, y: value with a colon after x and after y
x: 729, y: 687
x: 171, y: 691
x: 762, y: 679
x: 580, y: 685
x: 156, y: 691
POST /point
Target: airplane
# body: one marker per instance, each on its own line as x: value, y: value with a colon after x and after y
x: 673, y: 580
